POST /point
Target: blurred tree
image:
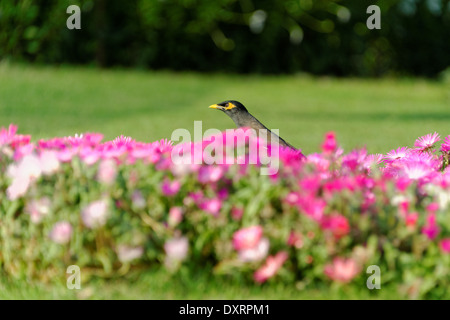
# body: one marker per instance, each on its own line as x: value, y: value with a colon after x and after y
x: 267, y: 36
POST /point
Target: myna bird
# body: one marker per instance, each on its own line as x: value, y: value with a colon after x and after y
x: 242, y: 118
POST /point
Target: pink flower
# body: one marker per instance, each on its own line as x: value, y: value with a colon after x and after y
x: 417, y: 170
x: 9, y: 136
x: 342, y: 270
x: 398, y: 154
x: 66, y: 154
x: 89, y: 155
x: 127, y: 253
x: 431, y: 229
x: 175, y: 216
x: 426, y: 142
x: 411, y: 219
x: 23, y: 151
x: 176, y: 250
x: 211, y: 206
x: 208, y: 174
x: 95, y: 214
x: 295, y: 240
x: 164, y: 145
x: 247, y: 238
x: 445, y: 147
x: 107, y: 171
x: 292, y: 198
x: 310, y: 185
x: 123, y: 141
x: 337, y: 224
x: 330, y: 144
x: 61, y: 232
x: 169, y: 188
x: 37, y: 209
x: 402, y: 183
x: 257, y: 253
x: 312, y: 207
x: 270, y: 268
x: 444, y: 244
x: 432, y: 207
x: 319, y: 161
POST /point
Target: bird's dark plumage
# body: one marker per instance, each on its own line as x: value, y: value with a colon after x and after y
x: 242, y: 118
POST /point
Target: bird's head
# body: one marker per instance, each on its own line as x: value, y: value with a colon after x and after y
x: 230, y: 107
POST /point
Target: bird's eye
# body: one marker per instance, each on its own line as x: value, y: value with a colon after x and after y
x: 227, y: 104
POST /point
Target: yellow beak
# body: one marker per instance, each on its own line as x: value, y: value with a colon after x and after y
x: 215, y: 106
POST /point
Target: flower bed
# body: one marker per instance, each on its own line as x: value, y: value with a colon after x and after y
x: 110, y: 206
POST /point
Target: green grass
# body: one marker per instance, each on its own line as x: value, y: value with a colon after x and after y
x: 379, y: 114
x: 159, y: 285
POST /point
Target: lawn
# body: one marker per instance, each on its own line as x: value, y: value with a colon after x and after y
x: 46, y: 102
x: 380, y: 114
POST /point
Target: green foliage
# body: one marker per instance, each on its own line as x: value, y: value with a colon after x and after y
x: 268, y: 36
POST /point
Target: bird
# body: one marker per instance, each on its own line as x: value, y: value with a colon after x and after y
x: 242, y: 118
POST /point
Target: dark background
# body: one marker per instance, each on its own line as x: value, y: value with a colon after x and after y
x: 239, y: 36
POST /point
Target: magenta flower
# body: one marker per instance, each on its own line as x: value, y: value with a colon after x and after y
x: 292, y: 198
x: 247, y: 238
x: 271, y: 267
x: 208, y: 174
x: 432, y: 207
x: 444, y: 244
x: 123, y: 141
x: 342, y: 270
x: 95, y: 214
x: 163, y: 145
x: 312, y: 207
x: 337, y: 224
x: 397, y: 154
x: 330, y: 144
x: 169, y: 188
x: 6, y: 135
x: 9, y: 137
x: 445, y: 147
x: 427, y: 142
x: 61, y: 232
x: 431, y: 229
x: 212, y: 206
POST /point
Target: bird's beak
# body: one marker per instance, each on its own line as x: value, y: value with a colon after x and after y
x: 216, y: 106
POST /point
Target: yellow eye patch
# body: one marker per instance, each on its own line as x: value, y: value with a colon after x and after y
x: 230, y: 106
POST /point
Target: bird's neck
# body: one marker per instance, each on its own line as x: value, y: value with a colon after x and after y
x: 246, y: 120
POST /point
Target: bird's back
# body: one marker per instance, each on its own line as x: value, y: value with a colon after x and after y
x: 256, y: 125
